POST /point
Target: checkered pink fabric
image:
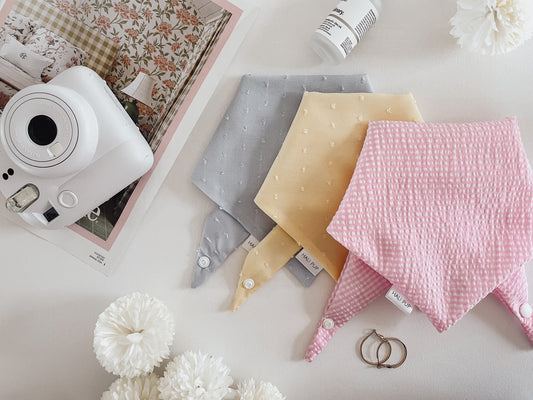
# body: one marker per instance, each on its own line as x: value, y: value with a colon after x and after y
x: 441, y: 211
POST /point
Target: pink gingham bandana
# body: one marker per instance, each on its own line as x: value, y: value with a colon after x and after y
x: 443, y: 212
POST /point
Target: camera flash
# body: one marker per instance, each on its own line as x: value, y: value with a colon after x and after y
x: 24, y: 198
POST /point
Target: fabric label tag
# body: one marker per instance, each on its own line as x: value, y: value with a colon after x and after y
x: 250, y: 243
x: 309, y: 262
x: 399, y: 300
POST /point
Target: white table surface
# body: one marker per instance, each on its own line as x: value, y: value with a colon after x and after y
x: 49, y: 301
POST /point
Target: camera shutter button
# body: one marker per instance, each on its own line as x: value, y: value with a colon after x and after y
x: 67, y: 199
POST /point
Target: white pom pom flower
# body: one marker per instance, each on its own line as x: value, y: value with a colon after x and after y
x: 140, y: 388
x: 195, y: 376
x: 252, y: 390
x: 133, y: 335
x: 491, y: 26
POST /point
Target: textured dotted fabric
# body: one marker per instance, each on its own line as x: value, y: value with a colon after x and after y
x: 311, y: 173
x: 240, y: 154
x: 443, y: 212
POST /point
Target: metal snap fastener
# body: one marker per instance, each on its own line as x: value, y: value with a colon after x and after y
x: 248, y: 283
x: 328, y: 323
x: 525, y: 310
x: 204, y: 261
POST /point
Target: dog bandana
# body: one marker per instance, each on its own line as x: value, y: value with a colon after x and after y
x: 306, y: 183
x: 239, y: 156
x: 443, y: 212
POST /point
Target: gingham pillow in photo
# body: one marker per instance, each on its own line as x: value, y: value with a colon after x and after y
x: 102, y: 51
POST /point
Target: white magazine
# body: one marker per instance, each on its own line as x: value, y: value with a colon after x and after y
x: 104, y: 253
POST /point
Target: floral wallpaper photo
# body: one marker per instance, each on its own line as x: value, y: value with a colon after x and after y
x: 169, y: 41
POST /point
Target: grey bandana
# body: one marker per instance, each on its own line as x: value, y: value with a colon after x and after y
x: 239, y: 156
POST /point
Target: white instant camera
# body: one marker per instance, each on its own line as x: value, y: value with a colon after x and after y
x: 66, y: 147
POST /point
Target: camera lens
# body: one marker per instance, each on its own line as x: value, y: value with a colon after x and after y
x: 42, y: 130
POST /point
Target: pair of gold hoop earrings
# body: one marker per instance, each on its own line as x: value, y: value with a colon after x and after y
x: 380, y: 363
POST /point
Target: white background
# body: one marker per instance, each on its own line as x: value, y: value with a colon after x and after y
x: 49, y: 301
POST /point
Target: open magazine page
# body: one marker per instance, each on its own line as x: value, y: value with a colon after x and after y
x: 181, y: 47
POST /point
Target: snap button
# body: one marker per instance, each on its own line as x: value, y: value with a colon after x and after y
x: 248, y: 283
x: 525, y: 310
x: 328, y: 323
x: 204, y: 261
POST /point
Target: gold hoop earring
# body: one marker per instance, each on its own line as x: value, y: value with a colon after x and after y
x: 382, y: 340
x: 404, y: 356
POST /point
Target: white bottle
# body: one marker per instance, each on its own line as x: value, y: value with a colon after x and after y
x: 344, y: 27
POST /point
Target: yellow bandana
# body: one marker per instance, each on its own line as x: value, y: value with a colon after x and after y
x: 309, y: 177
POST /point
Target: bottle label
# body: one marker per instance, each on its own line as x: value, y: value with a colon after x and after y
x: 309, y: 262
x: 348, y: 22
x: 399, y: 300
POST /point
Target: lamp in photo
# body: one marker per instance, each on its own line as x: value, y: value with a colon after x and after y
x: 140, y: 89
